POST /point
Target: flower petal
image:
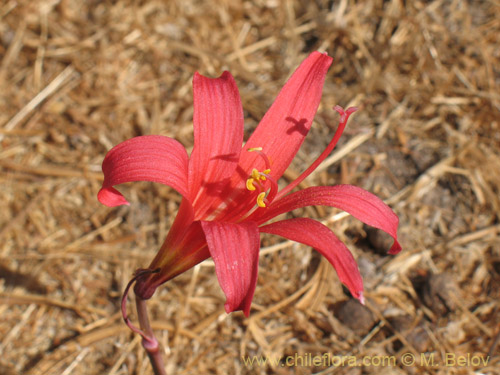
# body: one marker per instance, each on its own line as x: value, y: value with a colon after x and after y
x: 235, y: 251
x: 147, y: 158
x: 312, y: 233
x: 218, y: 135
x: 360, y: 203
x: 285, y: 125
x: 280, y: 133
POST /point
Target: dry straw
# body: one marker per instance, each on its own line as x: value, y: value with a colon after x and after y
x: 77, y: 77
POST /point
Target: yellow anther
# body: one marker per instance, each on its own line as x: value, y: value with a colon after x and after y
x: 260, y: 199
x: 250, y: 185
x: 256, y: 178
x: 255, y: 174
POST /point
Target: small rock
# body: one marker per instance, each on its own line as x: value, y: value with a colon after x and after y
x: 416, y: 337
x: 454, y: 333
x: 356, y: 316
x: 419, y: 339
x: 440, y: 292
x: 368, y: 271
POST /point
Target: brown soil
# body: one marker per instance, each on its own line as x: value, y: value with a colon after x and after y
x: 77, y: 77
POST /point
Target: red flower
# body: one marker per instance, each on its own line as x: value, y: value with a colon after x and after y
x: 230, y: 192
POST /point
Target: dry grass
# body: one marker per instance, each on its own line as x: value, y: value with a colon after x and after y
x: 77, y: 77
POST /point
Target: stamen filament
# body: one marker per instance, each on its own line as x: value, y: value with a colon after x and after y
x: 344, y: 116
x: 273, y: 189
x: 258, y: 150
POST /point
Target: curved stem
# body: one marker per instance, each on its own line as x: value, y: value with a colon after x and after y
x: 149, y: 341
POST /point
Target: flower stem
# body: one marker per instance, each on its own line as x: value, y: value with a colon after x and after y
x: 149, y: 341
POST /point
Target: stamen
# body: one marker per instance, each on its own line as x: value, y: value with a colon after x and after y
x: 260, y: 199
x: 250, y: 184
x: 255, y: 174
x: 274, y: 186
x: 257, y: 180
x: 258, y: 150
